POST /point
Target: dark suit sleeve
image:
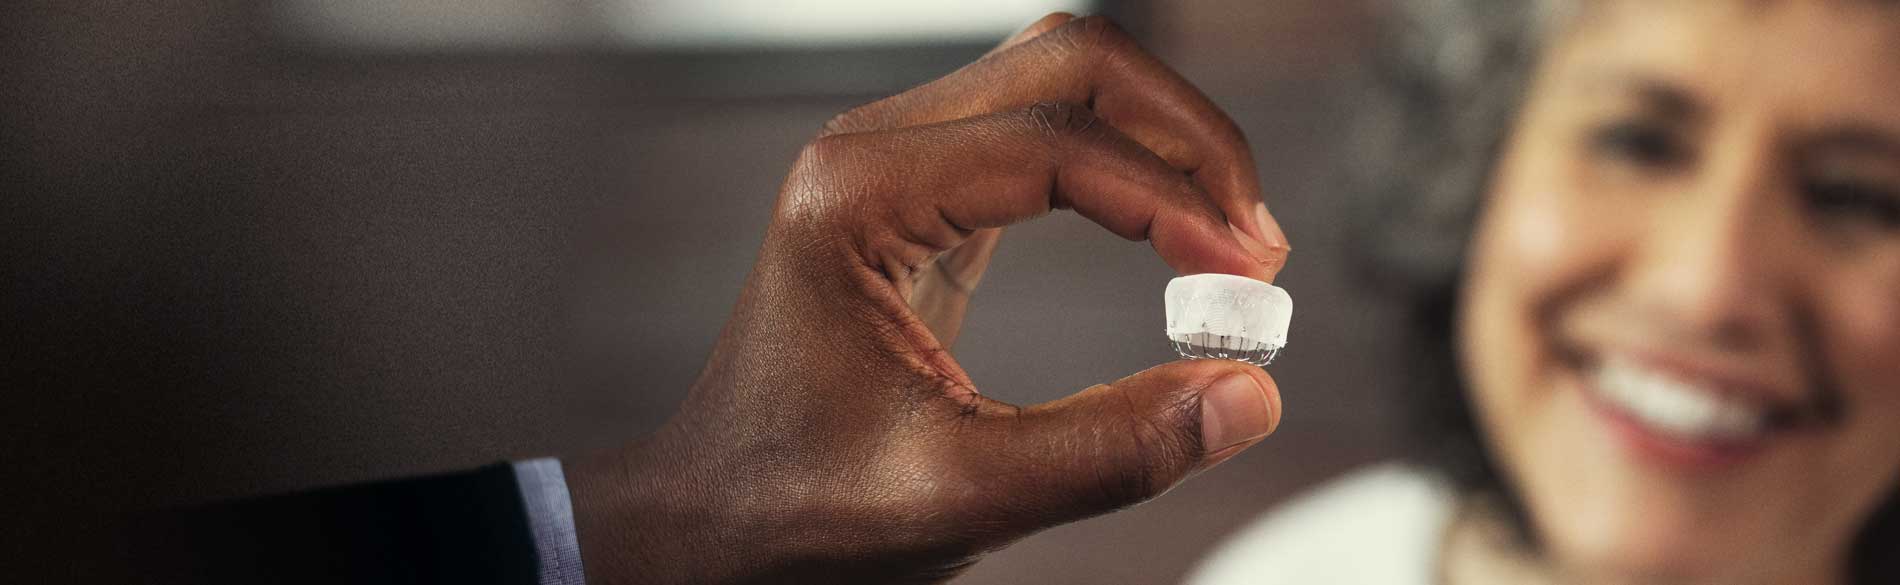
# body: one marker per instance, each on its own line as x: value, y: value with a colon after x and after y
x: 468, y: 527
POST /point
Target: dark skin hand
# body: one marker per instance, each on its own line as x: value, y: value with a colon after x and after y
x: 832, y: 437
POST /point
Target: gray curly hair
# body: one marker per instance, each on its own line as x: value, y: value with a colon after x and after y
x: 1447, y: 84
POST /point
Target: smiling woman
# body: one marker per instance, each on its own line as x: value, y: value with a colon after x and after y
x: 1678, y: 318
x: 1673, y: 333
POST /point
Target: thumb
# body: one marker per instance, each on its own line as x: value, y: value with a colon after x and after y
x: 1118, y: 444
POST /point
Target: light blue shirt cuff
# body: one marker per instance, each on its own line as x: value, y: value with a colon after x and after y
x: 551, y: 517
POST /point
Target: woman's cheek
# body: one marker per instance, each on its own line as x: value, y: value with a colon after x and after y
x: 1561, y: 219
x: 1539, y: 236
x: 1561, y: 230
x: 1547, y: 240
x: 1862, y: 316
x: 1521, y: 258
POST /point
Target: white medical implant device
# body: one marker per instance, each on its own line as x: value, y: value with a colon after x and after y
x: 1222, y: 316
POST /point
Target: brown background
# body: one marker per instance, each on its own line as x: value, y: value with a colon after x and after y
x: 240, y: 264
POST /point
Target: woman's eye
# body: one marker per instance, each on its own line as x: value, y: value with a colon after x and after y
x: 1642, y: 144
x: 1854, y: 200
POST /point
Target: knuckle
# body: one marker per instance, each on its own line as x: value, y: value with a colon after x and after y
x: 882, y: 113
x: 812, y: 158
x: 811, y: 191
x: 1133, y: 479
x: 1060, y: 119
x: 1100, y: 35
x: 839, y: 124
x: 1227, y: 147
x: 1155, y: 453
x: 1228, y: 132
x: 853, y: 120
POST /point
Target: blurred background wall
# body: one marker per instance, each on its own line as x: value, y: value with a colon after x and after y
x: 259, y: 247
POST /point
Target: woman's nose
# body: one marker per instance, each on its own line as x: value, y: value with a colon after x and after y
x: 1710, y: 259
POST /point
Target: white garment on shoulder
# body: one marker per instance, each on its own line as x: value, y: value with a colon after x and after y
x: 1382, y: 525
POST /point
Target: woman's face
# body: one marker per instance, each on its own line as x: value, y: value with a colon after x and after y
x: 1682, y: 325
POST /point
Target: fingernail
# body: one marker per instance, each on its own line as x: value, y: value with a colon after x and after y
x: 1233, y: 411
x: 1255, y: 248
x: 1269, y: 229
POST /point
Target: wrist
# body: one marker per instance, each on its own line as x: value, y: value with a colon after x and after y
x: 643, y: 517
x: 659, y: 512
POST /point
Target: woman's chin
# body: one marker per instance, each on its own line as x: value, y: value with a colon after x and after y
x: 1647, y: 550
x: 1618, y: 505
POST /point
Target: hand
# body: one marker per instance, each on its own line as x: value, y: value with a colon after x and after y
x: 832, y: 437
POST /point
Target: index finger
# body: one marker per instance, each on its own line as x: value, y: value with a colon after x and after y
x: 936, y: 184
x: 1092, y: 62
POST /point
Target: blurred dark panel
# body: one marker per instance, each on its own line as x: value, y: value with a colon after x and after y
x: 236, y: 265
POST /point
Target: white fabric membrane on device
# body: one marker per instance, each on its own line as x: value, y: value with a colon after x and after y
x: 1222, y: 316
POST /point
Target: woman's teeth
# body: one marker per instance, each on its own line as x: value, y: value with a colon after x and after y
x: 1674, y: 407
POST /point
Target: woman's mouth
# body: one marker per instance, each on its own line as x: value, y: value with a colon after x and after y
x: 1678, y: 408
x: 1675, y: 417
